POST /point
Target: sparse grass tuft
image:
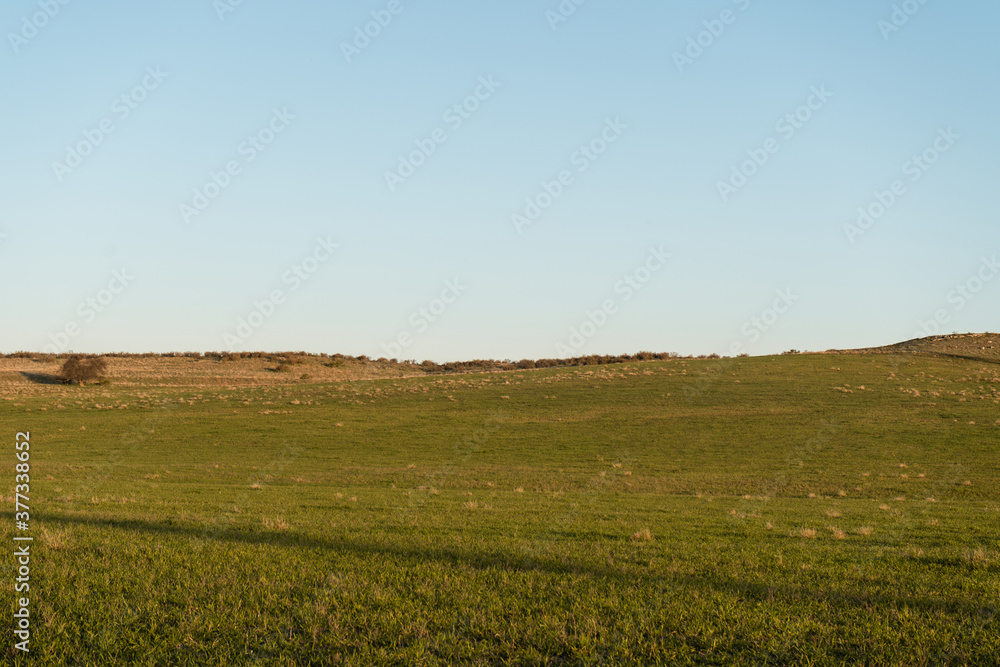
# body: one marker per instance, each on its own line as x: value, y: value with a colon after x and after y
x: 979, y: 557
x: 277, y: 523
x: 642, y: 535
x: 56, y: 538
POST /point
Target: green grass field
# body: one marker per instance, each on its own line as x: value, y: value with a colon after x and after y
x: 802, y: 509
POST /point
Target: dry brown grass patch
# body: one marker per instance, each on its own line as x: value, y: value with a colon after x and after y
x: 276, y: 523
x: 56, y: 538
x: 642, y: 535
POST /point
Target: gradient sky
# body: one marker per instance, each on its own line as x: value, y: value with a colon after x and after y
x: 522, y: 293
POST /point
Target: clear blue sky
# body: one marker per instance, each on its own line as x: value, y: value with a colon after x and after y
x: 673, y: 129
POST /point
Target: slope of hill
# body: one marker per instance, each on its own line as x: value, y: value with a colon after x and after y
x: 977, y: 346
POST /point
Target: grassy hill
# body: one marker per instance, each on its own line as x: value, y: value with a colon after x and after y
x: 979, y: 346
x: 801, y: 509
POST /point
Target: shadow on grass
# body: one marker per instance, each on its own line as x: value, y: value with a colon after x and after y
x: 969, y: 357
x: 659, y: 583
x: 42, y: 378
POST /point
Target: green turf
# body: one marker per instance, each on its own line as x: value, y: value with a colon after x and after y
x: 500, y: 518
